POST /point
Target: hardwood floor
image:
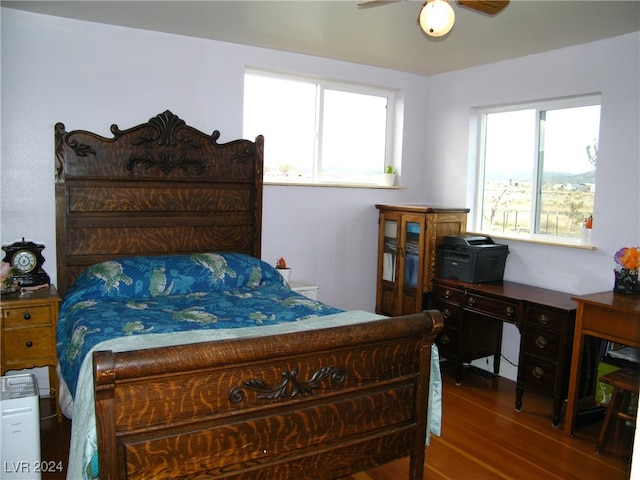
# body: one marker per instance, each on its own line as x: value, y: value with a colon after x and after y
x: 483, y: 437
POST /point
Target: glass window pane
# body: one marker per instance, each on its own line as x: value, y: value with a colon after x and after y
x: 568, y: 154
x: 284, y: 111
x: 353, y: 136
x: 316, y: 134
x: 537, y: 175
x: 508, y: 165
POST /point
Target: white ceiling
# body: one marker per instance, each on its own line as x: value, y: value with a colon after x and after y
x: 386, y: 36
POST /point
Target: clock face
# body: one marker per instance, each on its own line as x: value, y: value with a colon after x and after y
x: 24, y: 261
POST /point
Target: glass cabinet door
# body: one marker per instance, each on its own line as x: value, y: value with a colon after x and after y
x: 411, y: 260
x: 390, y: 254
x: 412, y: 254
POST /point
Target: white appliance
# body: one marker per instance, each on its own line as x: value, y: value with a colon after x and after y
x: 20, y: 439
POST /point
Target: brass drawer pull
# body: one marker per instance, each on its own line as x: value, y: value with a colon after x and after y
x: 29, y: 344
x: 446, y: 313
x: 538, y: 372
x: 447, y: 293
x: 444, y: 339
x: 541, y: 342
x: 543, y: 319
x: 509, y: 311
x: 471, y: 301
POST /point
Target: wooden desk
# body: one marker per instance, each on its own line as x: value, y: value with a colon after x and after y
x: 605, y: 315
x: 473, y: 317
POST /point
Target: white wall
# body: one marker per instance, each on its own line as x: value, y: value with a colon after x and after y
x: 610, y: 67
x: 89, y: 76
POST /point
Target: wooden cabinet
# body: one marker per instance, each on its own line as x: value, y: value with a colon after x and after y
x: 28, y: 333
x: 407, y: 257
x: 473, y: 316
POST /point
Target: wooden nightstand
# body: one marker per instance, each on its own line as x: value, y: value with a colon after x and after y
x: 304, y: 288
x: 28, y: 333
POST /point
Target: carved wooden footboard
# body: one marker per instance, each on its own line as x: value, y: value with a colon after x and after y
x: 319, y: 404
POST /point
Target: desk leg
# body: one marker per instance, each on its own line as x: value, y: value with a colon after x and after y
x: 498, y: 353
x: 574, y: 376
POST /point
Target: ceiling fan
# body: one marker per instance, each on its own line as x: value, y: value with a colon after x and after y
x: 436, y: 16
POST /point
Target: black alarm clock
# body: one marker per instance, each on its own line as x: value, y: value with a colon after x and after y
x: 26, y: 259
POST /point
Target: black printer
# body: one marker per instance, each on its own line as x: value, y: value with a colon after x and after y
x: 472, y: 259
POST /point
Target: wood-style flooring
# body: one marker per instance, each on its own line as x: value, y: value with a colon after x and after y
x: 483, y: 437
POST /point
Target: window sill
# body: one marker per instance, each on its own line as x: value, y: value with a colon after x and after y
x: 539, y: 241
x: 335, y: 185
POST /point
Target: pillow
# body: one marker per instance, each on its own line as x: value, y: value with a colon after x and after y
x: 152, y: 276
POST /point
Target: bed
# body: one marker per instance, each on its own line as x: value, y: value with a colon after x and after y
x: 272, y: 386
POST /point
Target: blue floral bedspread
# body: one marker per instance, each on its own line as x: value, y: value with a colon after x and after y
x: 172, y: 293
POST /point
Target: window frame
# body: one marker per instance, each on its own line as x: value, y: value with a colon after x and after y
x: 539, y: 106
x: 321, y: 85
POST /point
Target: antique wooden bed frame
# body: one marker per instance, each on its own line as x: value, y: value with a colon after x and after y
x: 316, y: 404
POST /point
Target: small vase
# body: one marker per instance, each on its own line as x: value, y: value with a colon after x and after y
x: 390, y: 179
x: 285, y: 272
x: 626, y: 281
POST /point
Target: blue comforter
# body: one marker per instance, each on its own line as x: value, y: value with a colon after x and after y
x: 172, y: 293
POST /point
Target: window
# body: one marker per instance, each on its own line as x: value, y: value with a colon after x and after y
x: 538, y: 168
x: 318, y: 132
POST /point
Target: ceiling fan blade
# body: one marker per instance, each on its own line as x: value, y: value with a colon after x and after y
x: 377, y: 3
x: 490, y: 7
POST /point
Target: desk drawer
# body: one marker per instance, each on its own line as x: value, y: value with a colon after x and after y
x: 447, y: 343
x: 449, y: 294
x: 545, y: 317
x: 541, y: 342
x: 537, y: 373
x: 452, y: 314
x: 504, y: 310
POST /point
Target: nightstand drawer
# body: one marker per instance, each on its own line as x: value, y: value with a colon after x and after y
x: 304, y: 288
x: 27, y: 344
x: 26, y: 316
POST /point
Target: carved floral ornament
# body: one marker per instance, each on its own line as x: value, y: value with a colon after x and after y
x: 167, y: 143
x: 166, y: 132
x: 289, y: 387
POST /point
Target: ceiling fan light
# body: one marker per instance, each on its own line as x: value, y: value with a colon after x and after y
x: 436, y: 18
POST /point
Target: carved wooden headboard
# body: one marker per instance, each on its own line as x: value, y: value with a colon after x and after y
x: 160, y: 187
